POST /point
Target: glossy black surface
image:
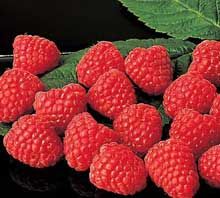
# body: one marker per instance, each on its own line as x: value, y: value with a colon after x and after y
x: 73, y: 25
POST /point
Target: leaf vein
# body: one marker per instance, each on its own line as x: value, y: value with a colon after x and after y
x: 217, y: 11
x: 199, y: 6
x: 198, y: 13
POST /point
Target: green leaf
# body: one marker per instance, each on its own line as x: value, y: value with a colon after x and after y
x: 179, y: 18
x: 181, y: 64
x: 60, y: 76
x: 165, y: 118
x: 66, y: 73
x: 175, y: 47
x: 4, y: 128
x: 75, y: 56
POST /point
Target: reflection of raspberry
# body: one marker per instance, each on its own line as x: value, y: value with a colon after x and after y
x: 111, y: 93
x: 150, y: 69
x: 17, y: 92
x: 79, y: 182
x: 206, y: 61
x: 117, y: 169
x: 99, y: 59
x: 35, y: 54
x: 139, y: 126
x: 198, y: 131
x: 38, y: 180
x: 33, y: 143
x: 189, y: 91
x: 171, y: 165
x: 60, y: 105
x: 209, y: 166
x: 83, y: 138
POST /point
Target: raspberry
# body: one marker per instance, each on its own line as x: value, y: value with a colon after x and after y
x: 171, y: 165
x: 83, y: 138
x: 189, y: 91
x: 60, y: 105
x: 206, y: 61
x: 139, y: 127
x: 111, y: 93
x: 35, y: 54
x: 117, y: 169
x: 215, y: 108
x: 17, y: 92
x: 198, y: 131
x: 47, y: 121
x: 209, y: 166
x: 99, y: 59
x: 33, y: 143
x: 150, y: 69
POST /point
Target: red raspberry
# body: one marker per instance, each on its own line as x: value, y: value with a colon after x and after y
x: 209, y: 166
x: 189, y: 91
x: 33, y: 143
x: 172, y: 166
x: 99, y: 59
x: 61, y: 105
x: 47, y: 121
x: 198, y: 131
x: 17, y: 92
x: 111, y: 93
x: 83, y: 138
x: 139, y: 127
x: 150, y: 69
x: 206, y: 61
x: 35, y: 54
x: 215, y: 108
x: 117, y: 169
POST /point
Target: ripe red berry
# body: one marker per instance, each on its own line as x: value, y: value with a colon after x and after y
x: 99, y: 59
x: 198, y: 131
x: 150, y: 69
x: 189, y: 91
x: 171, y: 165
x: 35, y: 54
x: 215, y: 108
x: 209, y: 166
x: 17, y: 92
x: 33, y: 143
x: 139, y: 126
x: 83, y: 138
x: 111, y: 93
x: 61, y: 105
x: 117, y: 169
x: 206, y: 61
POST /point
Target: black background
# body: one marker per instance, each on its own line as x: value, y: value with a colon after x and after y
x: 73, y: 25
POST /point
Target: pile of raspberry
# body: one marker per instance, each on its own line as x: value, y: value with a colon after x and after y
x: 119, y: 159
